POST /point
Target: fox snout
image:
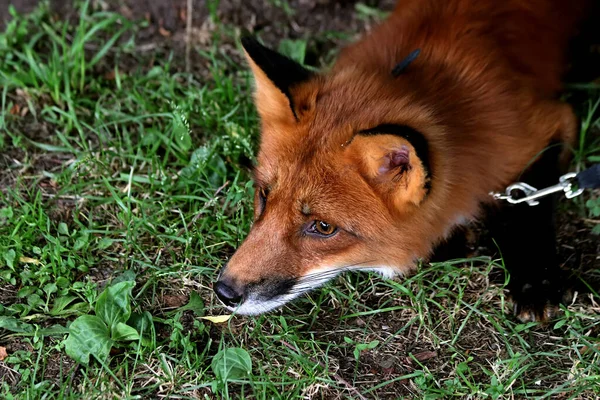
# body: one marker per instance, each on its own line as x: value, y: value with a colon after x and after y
x: 229, y: 293
x: 252, y: 298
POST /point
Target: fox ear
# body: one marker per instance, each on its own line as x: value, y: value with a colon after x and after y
x: 393, y: 167
x: 274, y: 75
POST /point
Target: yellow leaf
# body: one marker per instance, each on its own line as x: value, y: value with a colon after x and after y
x: 28, y: 260
x: 217, y: 319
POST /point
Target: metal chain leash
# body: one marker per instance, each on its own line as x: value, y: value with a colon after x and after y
x: 572, y: 184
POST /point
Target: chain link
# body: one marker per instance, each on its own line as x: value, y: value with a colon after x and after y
x: 521, y: 192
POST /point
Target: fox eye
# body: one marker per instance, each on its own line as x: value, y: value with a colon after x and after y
x: 262, y: 199
x: 322, y: 228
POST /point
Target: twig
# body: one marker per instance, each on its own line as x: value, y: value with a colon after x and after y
x: 188, y: 31
x: 592, y: 221
x: 338, y: 378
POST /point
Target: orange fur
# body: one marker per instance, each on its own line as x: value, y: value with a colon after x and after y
x: 483, y: 92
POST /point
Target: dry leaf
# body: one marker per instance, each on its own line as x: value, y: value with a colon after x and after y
x: 3, y: 353
x: 425, y: 355
x: 586, y: 349
x: 174, y: 301
x: 217, y: 319
x: 15, y: 109
x: 110, y: 75
x: 164, y: 32
x: 28, y: 260
x: 126, y: 12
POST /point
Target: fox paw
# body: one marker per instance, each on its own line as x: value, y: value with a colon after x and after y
x: 534, y: 312
x: 538, y: 302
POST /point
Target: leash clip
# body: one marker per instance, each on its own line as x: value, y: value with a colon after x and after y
x: 532, y: 194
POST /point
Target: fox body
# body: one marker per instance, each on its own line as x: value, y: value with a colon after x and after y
x: 373, y: 163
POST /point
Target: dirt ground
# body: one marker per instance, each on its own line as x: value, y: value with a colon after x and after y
x: 272, y: 19
x: 308, y: 16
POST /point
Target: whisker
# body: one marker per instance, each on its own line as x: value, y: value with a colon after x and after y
x: 311, y: 280
x: 331, y: 272
x: 303, y: 285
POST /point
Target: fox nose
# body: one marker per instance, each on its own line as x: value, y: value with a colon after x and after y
x: 228, y: 293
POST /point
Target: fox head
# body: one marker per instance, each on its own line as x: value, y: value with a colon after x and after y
x: 342, y: 181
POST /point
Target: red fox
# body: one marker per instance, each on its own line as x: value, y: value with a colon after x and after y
x: 371, y: 165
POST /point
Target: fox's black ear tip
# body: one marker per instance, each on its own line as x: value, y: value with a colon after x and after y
x: 249, y: 42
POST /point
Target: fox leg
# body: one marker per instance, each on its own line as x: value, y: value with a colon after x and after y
x: 526, y: 238
x: 526, y: 235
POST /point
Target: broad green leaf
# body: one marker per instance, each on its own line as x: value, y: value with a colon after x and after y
x: 88, y: 335
x: 198, y: 161
x: 62, y: 282
x: 361, y: 346
x: 60, y: 304
x: 12, y: 324
x: 294, y: 49
x: 232, y: 363
x: 81, y: 242
x: 54, y: 330
x: 195, y: 304
x: 105, y: 243
x: 123, y: 332
x: 560, y: 323
x: 144, y: 324
x: 462, y: 367
x: 9, y: 257
x: 6, y: 213
x: 35, y: 300
x: 50, y: 288
x: 155, y: 72
x: 26, y: 291
x: 128, y: 275
x: 590, y: 203
x: 113, y: 304
x: 63, y: 229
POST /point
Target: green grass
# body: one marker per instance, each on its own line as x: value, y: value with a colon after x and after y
x: 117, y: 169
